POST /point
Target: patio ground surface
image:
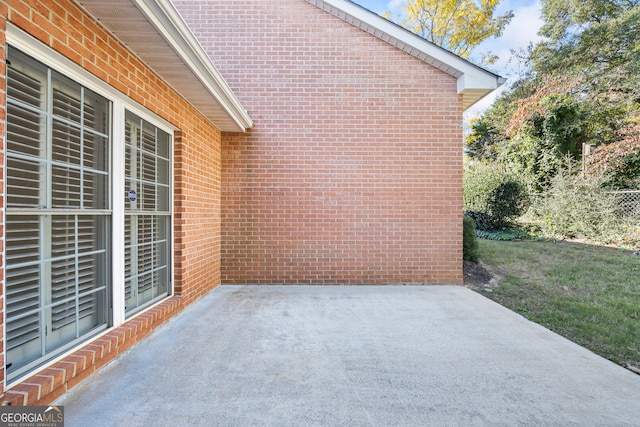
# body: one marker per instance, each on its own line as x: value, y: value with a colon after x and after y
x: 354, y: 356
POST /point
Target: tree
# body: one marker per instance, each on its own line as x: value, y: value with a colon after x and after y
x: 479, y: 142
x: 550, y: 136
x: 583, y: 86
x: 488, y: 138
x: 456, y: 25
x: 592, y: 53
x: 564, y: 20
x: 595, y: 41
x: 619, y: 162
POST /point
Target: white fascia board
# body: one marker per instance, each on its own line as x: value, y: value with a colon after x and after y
x: 479, y: 81
x: 471, y: 78
x: 163, y: 15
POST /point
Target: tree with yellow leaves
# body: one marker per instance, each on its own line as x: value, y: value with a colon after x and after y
x: 456, y: 25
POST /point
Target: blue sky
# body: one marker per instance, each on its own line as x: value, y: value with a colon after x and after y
x: 521, y: 31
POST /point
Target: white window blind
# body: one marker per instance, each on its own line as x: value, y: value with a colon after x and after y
x: 58, y: 213
x: 147, y: 213
x: 79, y: 256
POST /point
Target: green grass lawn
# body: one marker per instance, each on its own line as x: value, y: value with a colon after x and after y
x: 589, y: 294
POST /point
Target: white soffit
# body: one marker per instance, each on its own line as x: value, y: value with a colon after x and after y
x: 157, y: 34
x: 473, y: 82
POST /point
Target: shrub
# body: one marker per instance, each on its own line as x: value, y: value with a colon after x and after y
x: 493, y: 196
x: 579, y: 207
x: 505, y: 234
x: 469, y: 241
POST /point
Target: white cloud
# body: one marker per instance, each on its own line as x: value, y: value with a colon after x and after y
x: 525, y: 25
x: 396, y: 4
x: 522, y: 30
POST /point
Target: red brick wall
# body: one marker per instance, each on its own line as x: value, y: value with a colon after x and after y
x: 62, y: 25
x: 353, y: 170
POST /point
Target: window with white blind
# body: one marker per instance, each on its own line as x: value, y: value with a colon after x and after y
x: 79, y: 256
x: 147, y: 213
x: 57, y: 212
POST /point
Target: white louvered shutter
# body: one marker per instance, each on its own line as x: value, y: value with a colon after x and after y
x: 58, y: 215
x: 147, y: 218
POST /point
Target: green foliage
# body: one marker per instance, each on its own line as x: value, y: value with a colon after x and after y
x: 559, y: 126
x: 579, y: 207
x: 469, y: 241
x: 563, y: 18
x: 596, y: 44
x: 479, y: 142
x: 627, y: 175
x: 547, y: 137
x: 590, y: 34
x: 505, y: 234
x: 619, y: 162
x: 507, y: 200
x: 582, y: 86
x: 488, y: 133
x: 493, y: 196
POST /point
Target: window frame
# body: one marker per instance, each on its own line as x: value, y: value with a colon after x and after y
x: 120, y: 103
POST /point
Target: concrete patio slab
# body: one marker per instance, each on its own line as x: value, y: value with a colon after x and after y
x: 354, y: 356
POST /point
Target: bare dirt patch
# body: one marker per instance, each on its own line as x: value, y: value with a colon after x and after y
x: 480, y: 275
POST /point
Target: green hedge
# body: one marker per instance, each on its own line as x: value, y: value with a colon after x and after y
x: 469, y: 241
x: 493, y: 196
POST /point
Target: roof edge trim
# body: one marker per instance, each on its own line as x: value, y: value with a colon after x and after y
x: 163, y: 15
